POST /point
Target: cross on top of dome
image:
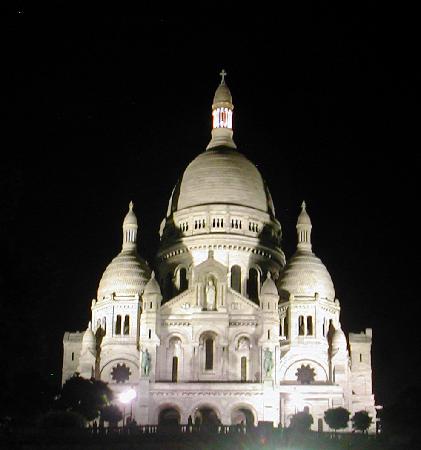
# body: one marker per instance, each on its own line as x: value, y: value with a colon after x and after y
x: 223, y: 75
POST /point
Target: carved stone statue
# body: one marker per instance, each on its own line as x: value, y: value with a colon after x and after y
x: 210, y: 296
x: 145, y: 363
x: 268, y: 363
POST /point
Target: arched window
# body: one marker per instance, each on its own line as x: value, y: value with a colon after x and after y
x: 209, y: 353
x: 118, y: 325
x: 126, y: 329
x: 243, y: 368
x: 236, y: 278
x: 183, y: 279
x: 253, y: 284
x: 301, y: 325
x: 309, y: 326
x: 174, y: 371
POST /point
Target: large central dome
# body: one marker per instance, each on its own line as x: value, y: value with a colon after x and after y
x: 222, y: 176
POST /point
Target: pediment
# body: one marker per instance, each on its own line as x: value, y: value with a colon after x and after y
x: 238, y: 304
x: 209, y: 267
x: 183, y: 303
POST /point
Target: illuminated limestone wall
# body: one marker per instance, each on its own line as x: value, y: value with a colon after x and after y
x: 227, y: 329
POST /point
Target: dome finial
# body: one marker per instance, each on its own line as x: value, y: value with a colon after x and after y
x: 304, y: 228
x: 222, y: 108
x: 130, y: 229
x: 223, y: 74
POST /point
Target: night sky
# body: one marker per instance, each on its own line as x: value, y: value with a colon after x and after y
x: 111, y: 107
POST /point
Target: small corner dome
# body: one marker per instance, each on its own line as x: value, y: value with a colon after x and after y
x: 126, y: 275
x: 269, y: 287
x: 88, y: 340
x: 339, y: 339
x: 305, y: 276
x: 152, y: 286
x: 221, y: 176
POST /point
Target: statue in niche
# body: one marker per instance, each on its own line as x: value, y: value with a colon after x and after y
x: 268, y: 363
x: 243, y: 344
x: 145, y: 363
x: 210, y: 296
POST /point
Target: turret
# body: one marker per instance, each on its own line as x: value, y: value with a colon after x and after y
x: 222, y: 111
x: 87, y: 358
x: 304, y: 229
x: 130, y: 230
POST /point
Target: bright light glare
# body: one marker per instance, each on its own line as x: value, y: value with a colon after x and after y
x: 127, y: 396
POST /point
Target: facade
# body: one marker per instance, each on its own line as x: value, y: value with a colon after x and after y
x: 226, y: 329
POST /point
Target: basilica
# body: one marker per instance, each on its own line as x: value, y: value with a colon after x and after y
x: 225, y: 330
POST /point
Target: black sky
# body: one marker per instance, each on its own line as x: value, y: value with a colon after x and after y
x: 108, y: 108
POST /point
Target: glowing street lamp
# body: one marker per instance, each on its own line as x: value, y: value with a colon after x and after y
x: 126, y: 397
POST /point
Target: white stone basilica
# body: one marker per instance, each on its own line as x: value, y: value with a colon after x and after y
x: 226, y: 329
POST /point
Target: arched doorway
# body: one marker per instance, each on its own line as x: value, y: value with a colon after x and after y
x: 206, y: 419
x: 169, y: 419
x: 242, y: 416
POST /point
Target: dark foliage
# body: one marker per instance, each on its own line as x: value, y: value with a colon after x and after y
x: 337, y: 418
x: 84, y: 396
x: 111, y: 414
x: 301, y: 421
x: 361, y: 421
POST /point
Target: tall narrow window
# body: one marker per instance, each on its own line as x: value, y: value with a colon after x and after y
x: 286, y: 325
x: 183, y: 279
x: 126, y: 329
x: 243, y: 368
x: 309, y: 326
x: 73, y: 356
x: 174, y: 372
x: 118, y: 325
x: 209, y: 354
x: 252, y: 285
x: 236, y: 278
x: 301, y: 326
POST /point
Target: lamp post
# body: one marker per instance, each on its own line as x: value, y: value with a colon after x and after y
x: 126, y: 397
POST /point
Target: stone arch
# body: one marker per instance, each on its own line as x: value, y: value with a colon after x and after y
x: 209, y: 353
x: 181, y: 275
x: 236, y: 278
x: 240, y: 335
x: 169, y: 417
x: 321, y: 372
x: 106, y: 370
x: 176, y: 334
x: 202, y: 412
x: 253, y: 282
x: 244, y: 411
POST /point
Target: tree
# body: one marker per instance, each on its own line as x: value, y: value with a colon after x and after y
x: 301, y: 421
x: 111, y: 414
x: 361, y: 421
x: 337, y: 418
x: 84, y: 396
